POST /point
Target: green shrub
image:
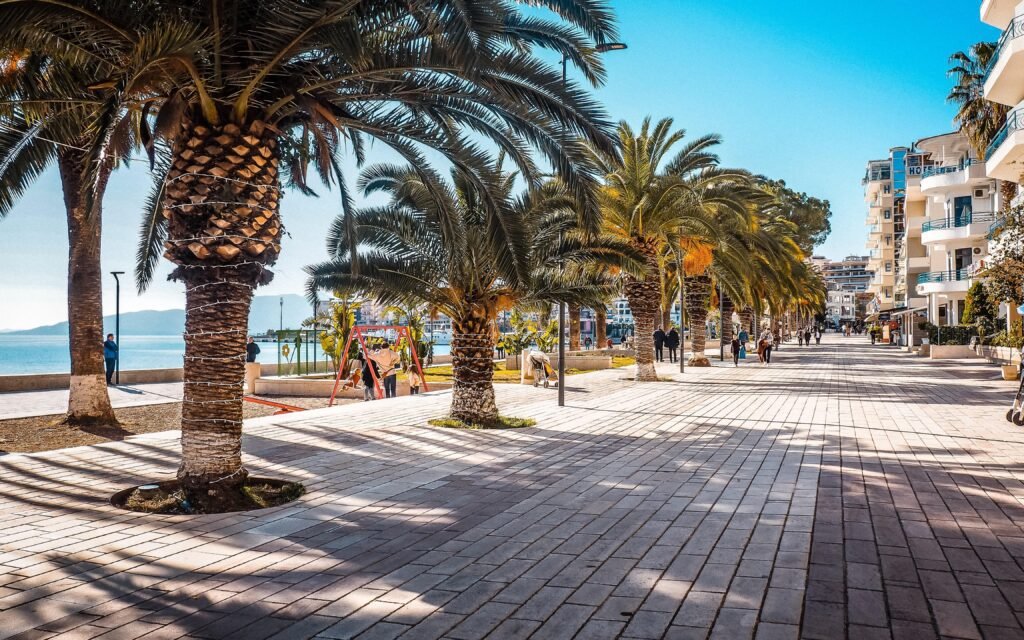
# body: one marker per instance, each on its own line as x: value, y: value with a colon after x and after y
x: 960, y: 334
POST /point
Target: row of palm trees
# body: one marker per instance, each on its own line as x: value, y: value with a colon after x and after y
x: 232, y: 102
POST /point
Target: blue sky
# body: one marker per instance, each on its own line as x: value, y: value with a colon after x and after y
x: 806, y: 92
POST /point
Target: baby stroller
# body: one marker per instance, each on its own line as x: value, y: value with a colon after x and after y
x: 542, y: 371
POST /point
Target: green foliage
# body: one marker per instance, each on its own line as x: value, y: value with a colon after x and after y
x: 547, y: 339
x: 960, y: 334
x: 810, y: 216
x: 978, y: 119
x: 978, y: 304
x: 1004, y: 276
x: 501, y: 422
x: 523, y: 334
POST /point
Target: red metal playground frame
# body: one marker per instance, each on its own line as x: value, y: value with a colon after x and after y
x: 359, y: 333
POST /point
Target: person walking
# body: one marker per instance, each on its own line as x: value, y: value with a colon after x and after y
x: 761, y: 344
x: 807, y: 336
x: 770, y: 340
x: 744, y: 339
x: 735, y: 351
x: 414, y: 380
x: 389, y: 362
x: 817, y: 335
x: 672, y: 342
x: 587, y: 343
x: 800, y: 338
x: 110, y: 350
x: 659, y: 345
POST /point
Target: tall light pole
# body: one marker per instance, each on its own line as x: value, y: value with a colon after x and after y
x: 600, y: 48
x: 117, y: 324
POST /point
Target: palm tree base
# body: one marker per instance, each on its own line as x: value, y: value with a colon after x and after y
x: 698, y: 362
x: 175, y: 497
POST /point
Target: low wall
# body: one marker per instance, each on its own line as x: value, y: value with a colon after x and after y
x: 47, y: 381
x: 951, y: 352
x: 999, y: 355
x: 321, y: 388
x: 592, y: 361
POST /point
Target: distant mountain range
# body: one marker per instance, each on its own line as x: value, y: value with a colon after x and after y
x: 264, y: 315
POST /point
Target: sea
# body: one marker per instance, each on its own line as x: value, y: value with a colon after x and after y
x: 24, y: 354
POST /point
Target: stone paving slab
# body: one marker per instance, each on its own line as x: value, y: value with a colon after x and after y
x: 25, y: 404
x: 843, y: 491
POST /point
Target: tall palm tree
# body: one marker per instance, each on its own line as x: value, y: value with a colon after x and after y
x: 652, y: 201
x: 468, y: 255
x: 36, y: 134
x: 240, y: 97
x: 978, y: 119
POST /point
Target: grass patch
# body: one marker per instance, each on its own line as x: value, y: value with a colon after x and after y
x: 501, y: 422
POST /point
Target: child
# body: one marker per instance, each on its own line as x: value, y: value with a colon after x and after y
x: 414, y: 380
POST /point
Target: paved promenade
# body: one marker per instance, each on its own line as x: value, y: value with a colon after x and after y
x: 845, y: 491
x: 55, y: 401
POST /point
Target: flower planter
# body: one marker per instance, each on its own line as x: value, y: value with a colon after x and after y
x: 1009, y: 371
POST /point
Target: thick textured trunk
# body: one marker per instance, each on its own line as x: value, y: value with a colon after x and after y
x: 666, y: 317
x: 472, y: 367
x: 601, y: 328
x: 221, y: 201
x: 644, y: 296
x: 747, y: 320
x: 574, y: 327
x: 698, y: 292
x: 727, y: 326
x: 88, y: 401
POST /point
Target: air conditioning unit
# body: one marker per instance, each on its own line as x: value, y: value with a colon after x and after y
x: 981, y: 193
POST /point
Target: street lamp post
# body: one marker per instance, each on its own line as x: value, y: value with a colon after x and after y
x: 600, y: 48
x: 117, y: 324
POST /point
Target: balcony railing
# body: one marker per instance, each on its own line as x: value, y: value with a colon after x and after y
x: 996, y: 227
x: 1014, y: 122
x: 959, y: 220
x: 1014, y: 31
x: 938, y: 171
x: 944, y: 276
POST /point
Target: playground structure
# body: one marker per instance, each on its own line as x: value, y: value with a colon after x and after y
x: 362, y: 333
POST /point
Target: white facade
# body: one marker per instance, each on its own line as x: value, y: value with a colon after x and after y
x: 960, y: 209
x: 1004, y: 84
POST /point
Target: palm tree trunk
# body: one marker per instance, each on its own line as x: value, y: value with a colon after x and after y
x: 574, y: 327
x: 472, y: 369
x: 666, y: 317
x: 747, y: 319
x: 698, y: 293
x: 601, y: 328
x: 221, y: 201
x: 727, y: 327
x: 644, y: 296
x: 88, y: 400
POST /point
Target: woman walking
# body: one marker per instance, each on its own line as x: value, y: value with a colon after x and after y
x: 769, y: 342
x: 817, y: 335
x: 735, y: 351
x: 744, y: 339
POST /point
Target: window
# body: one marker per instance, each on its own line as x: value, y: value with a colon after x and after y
x: 888, y: 267
x: 887, y: 214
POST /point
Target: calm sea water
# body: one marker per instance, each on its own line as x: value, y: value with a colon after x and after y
x: 49, y: 354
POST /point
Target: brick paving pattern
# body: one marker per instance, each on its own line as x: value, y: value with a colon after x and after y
x: 846, y: 491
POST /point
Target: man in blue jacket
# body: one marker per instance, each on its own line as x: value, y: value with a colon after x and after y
x: 110, y: 355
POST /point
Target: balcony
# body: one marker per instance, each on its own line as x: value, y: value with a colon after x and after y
x: 963, y: 226
x: 1004, y: 78
x: 996, y: 227
x: 943, y: 281
x: 997, y: 13
x: 919, y: 262
x: 938, y: 179
x: 1004, y: 159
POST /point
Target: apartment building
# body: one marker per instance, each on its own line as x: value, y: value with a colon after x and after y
x: 892, y: 190
x: 1004, y: 84
x: 961, y: 201
x: 846, y: 281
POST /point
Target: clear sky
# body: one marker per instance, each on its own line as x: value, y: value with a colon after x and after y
x: 803, y: 91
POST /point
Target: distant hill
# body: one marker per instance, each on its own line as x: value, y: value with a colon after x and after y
x: 264, y: 315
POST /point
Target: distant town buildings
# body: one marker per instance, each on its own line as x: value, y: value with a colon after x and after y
x: 847, y: 282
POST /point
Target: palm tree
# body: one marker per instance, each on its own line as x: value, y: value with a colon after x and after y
x: 469, y: 255
x: 34, y: 136
x: 978, y: 119
x: 653, y: 203
x: 240, y: 96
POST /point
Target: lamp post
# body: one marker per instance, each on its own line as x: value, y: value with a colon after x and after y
x: 117, y: 324
x: 600, y: 48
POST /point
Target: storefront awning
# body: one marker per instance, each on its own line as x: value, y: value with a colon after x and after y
x: 903, y: 312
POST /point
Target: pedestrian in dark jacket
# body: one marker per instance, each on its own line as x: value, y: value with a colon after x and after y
x: 370, y: 374
x: 672, y: 342
x: 251, y: 350
x: 110, y: 350
x: 736, y: 351
x: 659, y: 345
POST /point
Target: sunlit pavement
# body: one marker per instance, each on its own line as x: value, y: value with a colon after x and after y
x: 843, y: 491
